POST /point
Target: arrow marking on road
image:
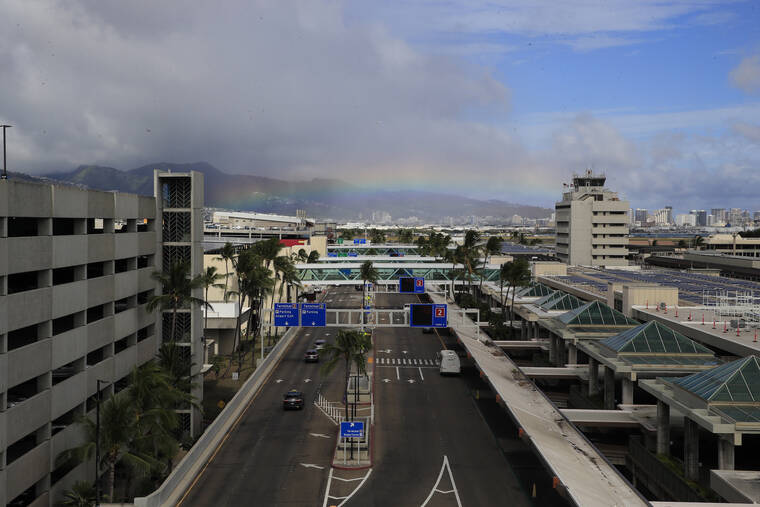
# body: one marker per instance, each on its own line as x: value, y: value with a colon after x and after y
x: 319, y: 435
x: 404, y: 351
x: 311, y: 465
x: 386, y: 380
x: 307, y: 380
x: 411, y: 381
x: 279, y: 380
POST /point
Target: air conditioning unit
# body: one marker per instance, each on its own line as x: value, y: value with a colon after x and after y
x: 738, y: 323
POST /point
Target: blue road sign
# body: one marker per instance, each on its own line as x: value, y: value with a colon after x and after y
x: 352, y: 254
x: 352, y: 429
x: 419, y: 285
x: 439, y: 315
x: 313, y: 314
x: 332, y: 254
x: 411, y: 285
x: 285, y: 314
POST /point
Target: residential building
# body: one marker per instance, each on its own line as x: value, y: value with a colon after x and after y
x: 592, y: 225
x: 641, y: 216
x: 75, y: 280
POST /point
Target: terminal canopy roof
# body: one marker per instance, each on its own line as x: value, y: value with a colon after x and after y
x: 563, y: 303
x: 653, y: 338
x: 734, y: 383
x: 596, y: 313
x: 535, y: 291
x: 555, y: 294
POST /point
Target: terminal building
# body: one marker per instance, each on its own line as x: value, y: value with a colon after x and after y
x: 592, y: 224
x: 75, y: 278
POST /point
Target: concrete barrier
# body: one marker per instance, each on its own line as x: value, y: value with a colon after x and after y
x: 179, y: 481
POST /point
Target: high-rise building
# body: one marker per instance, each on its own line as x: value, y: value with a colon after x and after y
x: 592, y: 224
x: 641, y: 216
x: 719, y: 215
x: 75, y: 279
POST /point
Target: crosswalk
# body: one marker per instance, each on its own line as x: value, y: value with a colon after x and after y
x: 407, y: 361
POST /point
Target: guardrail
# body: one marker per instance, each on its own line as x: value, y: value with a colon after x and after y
x: 179, y: 481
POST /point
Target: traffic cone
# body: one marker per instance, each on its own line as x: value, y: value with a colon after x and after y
x: 725, y: 327
x: 713, y: 322
x: 689, y: 315
x: 755, y: 340
x: 676, y: 311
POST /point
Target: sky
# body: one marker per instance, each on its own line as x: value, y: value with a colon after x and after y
x: 501, y: 99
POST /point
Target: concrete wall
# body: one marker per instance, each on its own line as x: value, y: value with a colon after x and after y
x: 35, y: 361
x: 547, y: 268
x: 652, y: 295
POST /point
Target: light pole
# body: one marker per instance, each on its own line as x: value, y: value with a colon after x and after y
x: 97, y: 442
x: 5, y: 167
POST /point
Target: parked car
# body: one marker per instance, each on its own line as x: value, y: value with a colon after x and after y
x: 292, y: 400
x: 311, y: 356
x: 319, y: 344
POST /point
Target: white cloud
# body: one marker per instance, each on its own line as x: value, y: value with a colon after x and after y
x: 746, y: 76
x: 750, y: 131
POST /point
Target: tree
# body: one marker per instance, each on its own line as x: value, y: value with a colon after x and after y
x: 681, y: 243
x: 503, y: 275
x: 227, y: 254
x: 177, y: 292
x: 81, y: 494
x: 471, y: 254
x: 517, y: 275
x: 347, y: 347
x: 368, y: 274
x: 258, y: 284
x: 118, y: 434
x: 405, y: 236
x: 209, y: 279
x: 699, y: 242
x: 313, y: 257
x: 377, y: 236
x: 302, y: 256
x: 492, y: 247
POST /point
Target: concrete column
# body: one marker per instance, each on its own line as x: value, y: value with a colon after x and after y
x: 560, y: 359
x: 690, y: 449
x: 725, y: 453
x: 593, y: 376
x: 572, y: 354
x: 628, y: 385
x: 522, y: 330
x: 535, y: 330
x: 528, y: 328
x: 553, y: 349
x: 663, y: 428
x: 609, y: 389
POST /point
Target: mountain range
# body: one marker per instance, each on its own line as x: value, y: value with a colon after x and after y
x: 321, y: 198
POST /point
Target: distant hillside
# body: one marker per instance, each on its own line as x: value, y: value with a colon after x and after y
x: 320, y: 197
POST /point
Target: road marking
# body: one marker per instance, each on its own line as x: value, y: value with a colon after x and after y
x: 311, y: 465
x: 411, y: 381
x: 279, y: 380
x: 345, y: 499
x: 421, y: 375
x: 405, y: 351
x: 398, y: 377
x: 319, y: 435
x: 435, y: 489
x: 307, y: 380
x: 386, y: 380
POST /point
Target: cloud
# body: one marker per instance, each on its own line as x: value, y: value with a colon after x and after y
x: 746, y: 76
x: 749, y: 131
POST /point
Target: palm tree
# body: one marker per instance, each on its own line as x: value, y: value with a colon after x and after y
x: 259, y: 284
x: 227, y: 254
x: 518, y: 275
x: 81, y: 494
x: 302, y: 256
x: 313, y: 257
x: 471, y: 251
x: 503, y: 275
x: 347, y: 348
x: 209, y: 279
x: 118, y: 434
x: 281, y: 264
x: 368, y: 273
x: 243, y: 264
x: 699, y: 242
x: 492, y: 247
x: 177, y: 292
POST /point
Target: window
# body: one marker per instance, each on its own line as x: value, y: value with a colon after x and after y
x: 122, y: 265
x: 63, y: 324
x: 144, y: 261
x: 22, y: 337
x: 96, y: 356
x: 64, y: 275
x: 95, y: 226
x: 95, y: 313
x: 123, y: 304
x: 145, y: 333
x: 65, y: 372
x: 22, y: 392
x: 121, y: 345
x: 19, y: 282
x: 95, y: 269
x: 64, y: 226
x: 144, y: 296
x: 22, y: 226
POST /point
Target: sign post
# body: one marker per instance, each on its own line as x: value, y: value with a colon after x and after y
x: 313, y: 314
x: 285, y: 314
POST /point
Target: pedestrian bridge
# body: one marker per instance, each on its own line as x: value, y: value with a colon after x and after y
x: 379, y: 249
x: 347, y: 273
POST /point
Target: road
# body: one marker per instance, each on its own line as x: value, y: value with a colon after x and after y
x: 432, y: 446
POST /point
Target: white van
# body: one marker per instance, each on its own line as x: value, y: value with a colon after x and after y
x: 449, y: 362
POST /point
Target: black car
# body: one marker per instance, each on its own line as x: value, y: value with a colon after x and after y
x: 311, y: 356
x: 292, y: 400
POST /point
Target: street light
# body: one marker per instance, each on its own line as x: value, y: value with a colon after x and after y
x: 97, y: 442
x: 4, y: 176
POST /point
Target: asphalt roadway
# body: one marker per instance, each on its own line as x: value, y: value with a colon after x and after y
x: 432, y: 446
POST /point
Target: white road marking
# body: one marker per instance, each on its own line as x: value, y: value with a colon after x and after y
x: 345, y: 499
x: 319, y: 435
x: 405, y: 351
x: 311, y: 465
x: 421, y: 375
x: 386, y: 380
x: 307, y: 380
x: 435, y: 489
x: 411, y: 381
x: 398, y: 377
x: 279, y: 380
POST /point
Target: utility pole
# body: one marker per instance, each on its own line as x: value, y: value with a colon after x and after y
x: 97, y: 443
x: 4, y: 176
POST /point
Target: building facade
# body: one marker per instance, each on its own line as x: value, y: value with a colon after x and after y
x: 592, y: 224
x: 75, y: 280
